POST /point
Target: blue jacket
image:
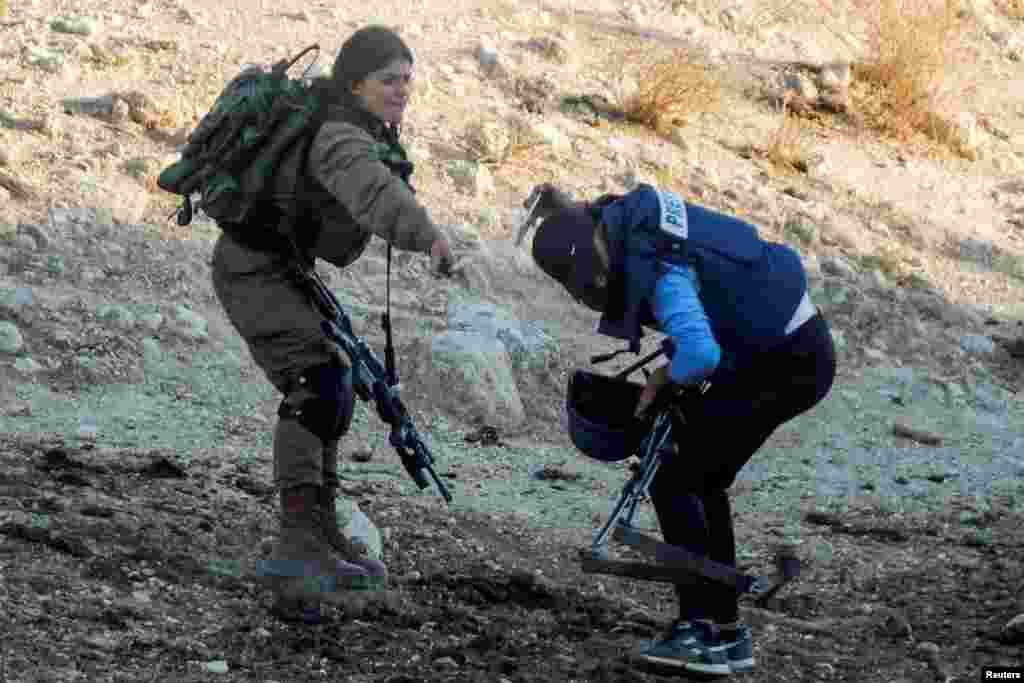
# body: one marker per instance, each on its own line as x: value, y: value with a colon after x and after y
x: 748, y: 288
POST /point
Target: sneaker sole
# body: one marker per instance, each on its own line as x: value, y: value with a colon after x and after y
x: 741, y: 665
x: 714, y: 669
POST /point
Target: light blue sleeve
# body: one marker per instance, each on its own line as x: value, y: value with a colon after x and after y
x: 681, y: 316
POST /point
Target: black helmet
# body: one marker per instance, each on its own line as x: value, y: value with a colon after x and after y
x: 600, y: 412
x: 563, y: 247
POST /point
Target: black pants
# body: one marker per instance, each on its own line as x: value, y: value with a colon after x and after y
x: 725, y: 427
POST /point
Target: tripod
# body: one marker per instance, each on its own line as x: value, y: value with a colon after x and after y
x: 673, y: 564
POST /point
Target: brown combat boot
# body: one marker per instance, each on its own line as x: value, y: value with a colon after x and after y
x: 303, y: 564
x: 351, y: 550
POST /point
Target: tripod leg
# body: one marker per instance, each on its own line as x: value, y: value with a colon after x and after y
x: 636, y: 488
x: 627, y: 500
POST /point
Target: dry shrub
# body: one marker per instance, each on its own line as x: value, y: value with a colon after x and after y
x: 669, y: 88
x: 488, y: 141
x: 1014, y: 9
x: 912, y: 45
x: 788, y: 146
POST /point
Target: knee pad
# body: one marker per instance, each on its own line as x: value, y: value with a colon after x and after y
x: 322, y: 401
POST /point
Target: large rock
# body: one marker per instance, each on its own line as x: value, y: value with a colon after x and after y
x: 524, y: 342
x: 468, y: 375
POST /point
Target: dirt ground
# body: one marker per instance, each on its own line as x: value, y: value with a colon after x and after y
x: 125, y: 569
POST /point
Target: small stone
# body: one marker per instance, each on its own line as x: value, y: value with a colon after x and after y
x: 16, y: 298
x: 91, y: 106
x: 552, y: 136
x: 491, y: 62
x: 48, y: 60
x: 877, y: 279
x: 800, y: 85
x: 550, y: 48
x: 977, y: 344
x: 484, y: 182
x: 151, y: 321
x: 632, y: 13
x: 17, y: 408
x: 118, y: 316
x: 27, y: 366
x: 189, y: 323
x: 120, y: 111
x: 837, y: 266
x: 362, y: 455
x: 80, y: 26
x: 191, y: 17
x: 217, y: 666
x: 825, y: 670
x: 11, y: 340
x: 446, y: 663
x: 1013, y: 632
x: 102, y: 642
x: 919, y: 435
x: 835, y: 76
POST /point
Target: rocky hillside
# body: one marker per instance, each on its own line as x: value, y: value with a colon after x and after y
x: 135, y: 429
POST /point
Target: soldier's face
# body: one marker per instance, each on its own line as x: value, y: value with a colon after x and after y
x: 385, y: 92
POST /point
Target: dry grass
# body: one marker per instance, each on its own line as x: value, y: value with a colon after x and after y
x: 891, y: 258
x: 1014, y: 9
x: 668, y: 88
x: 3, y: 8
x: 788, y: 145
x: 508, y: 14
x: 900, y: 87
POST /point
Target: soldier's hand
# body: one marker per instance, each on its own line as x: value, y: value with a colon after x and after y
x: 441, y: 259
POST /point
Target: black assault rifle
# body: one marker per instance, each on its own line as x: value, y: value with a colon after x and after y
x: 371, y: 380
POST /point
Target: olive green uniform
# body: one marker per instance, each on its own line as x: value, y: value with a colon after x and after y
x: 356, y: 194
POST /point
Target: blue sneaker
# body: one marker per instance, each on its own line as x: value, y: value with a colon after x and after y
x: 739, y: 649
x: 691, y: 646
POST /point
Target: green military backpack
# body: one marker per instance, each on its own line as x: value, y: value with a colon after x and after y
x: 231, y: 157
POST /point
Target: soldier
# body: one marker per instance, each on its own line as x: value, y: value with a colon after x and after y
x: 354, y: 182
x: 738, y: 312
